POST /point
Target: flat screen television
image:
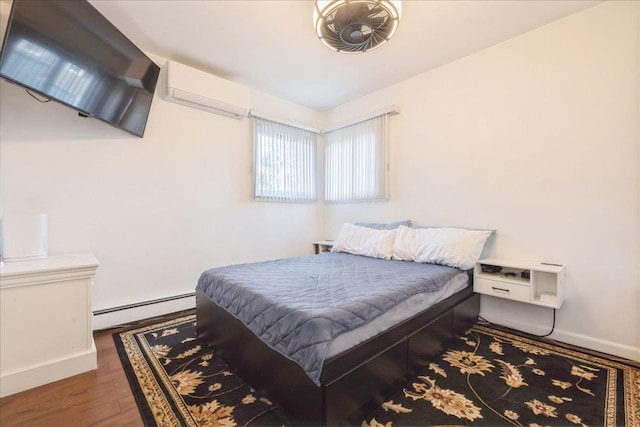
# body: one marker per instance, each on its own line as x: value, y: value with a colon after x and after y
x: 67, y: 51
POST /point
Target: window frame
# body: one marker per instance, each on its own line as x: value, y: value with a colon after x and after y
x: 305, y: 161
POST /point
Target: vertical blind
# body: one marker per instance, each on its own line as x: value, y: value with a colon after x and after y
x: 284, y: 162
x: 356, y: 161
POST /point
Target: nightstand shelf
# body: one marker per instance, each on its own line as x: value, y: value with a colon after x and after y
x: 532, y: 282
x: 322, y: 246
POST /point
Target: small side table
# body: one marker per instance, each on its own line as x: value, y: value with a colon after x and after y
x: 322, y: 246
x: 533, y: 282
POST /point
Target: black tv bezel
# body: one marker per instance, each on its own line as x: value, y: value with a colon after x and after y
x: 81, y: 112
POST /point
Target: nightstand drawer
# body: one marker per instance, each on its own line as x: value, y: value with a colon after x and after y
x: 501, y: 289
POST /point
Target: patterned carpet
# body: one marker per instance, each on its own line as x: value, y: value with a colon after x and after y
x: 487, y: 377
x: 496, y: 378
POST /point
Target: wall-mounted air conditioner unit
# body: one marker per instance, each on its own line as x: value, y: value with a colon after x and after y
x: 197, y: 89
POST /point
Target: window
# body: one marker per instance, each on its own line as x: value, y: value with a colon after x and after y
x: 356, y: 161
x: 284, y: 162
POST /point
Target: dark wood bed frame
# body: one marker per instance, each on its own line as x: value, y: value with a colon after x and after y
x: 354, y: 382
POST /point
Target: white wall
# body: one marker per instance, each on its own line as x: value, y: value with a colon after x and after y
x: 155, y: 211
x: 537, y: 138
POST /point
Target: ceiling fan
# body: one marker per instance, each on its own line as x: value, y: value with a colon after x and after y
x: 353, y: 26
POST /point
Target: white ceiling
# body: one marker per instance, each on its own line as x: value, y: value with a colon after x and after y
x: 271, y: 45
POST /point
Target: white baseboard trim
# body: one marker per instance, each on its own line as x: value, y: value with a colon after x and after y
x: 609, y: 347
x: 132, y: 314
x: 48, y: 372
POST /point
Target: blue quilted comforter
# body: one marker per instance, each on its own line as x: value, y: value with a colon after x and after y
x: 299, y: 305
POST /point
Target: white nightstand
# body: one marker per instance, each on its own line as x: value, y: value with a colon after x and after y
x: 532, y: 282
x: 322, y: 246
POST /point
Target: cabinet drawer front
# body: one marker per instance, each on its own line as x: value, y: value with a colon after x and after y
x: 501, y: 289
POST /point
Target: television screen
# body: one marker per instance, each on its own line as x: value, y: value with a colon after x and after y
x: 67, y: 51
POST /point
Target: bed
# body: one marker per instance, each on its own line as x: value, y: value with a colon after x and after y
x: 327, y: 379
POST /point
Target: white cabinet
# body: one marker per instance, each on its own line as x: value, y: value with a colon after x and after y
x: 46, y: 329
x: 532, y: 282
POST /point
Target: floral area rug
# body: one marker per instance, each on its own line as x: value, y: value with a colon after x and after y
x: 495, y: 378
x: 487, y: 377
x: 179, y: 381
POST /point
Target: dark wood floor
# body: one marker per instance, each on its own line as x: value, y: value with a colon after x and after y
x: 96, y: 398
x: 101, y: 397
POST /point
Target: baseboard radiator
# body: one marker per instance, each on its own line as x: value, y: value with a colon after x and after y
x: 113, y: 316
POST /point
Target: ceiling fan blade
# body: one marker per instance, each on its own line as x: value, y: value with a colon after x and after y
x: 375, y: 22
x: 351, y: 12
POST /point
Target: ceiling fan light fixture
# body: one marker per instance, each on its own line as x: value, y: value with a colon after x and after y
x: 356, y: 26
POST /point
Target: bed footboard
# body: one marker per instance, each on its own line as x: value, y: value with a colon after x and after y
x: 352, y: 383
x: 256, y: 363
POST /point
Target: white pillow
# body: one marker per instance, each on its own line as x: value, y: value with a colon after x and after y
x: 364, y: 241
x: 454, y: 247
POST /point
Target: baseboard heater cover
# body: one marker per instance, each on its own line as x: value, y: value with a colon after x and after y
x: 143, y: 303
